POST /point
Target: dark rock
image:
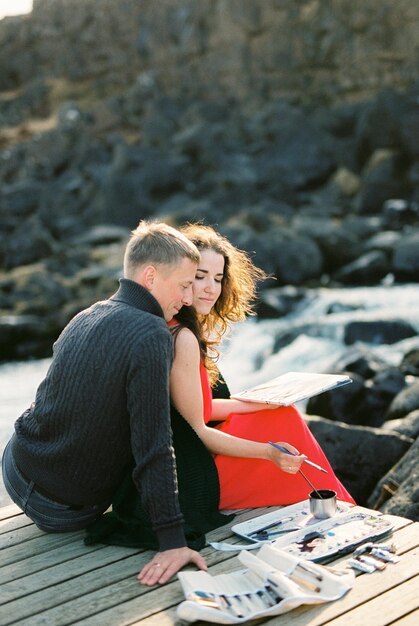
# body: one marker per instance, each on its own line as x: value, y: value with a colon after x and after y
x: 405, y: 402
x: 407, y: 426
x: 338, y: 244
x: 409, y: 126
x: 18, y: 201
x: 361, y: 226
x: 385, y: 179
x: 359, y: 455
x: 368, y: 269
x: 384, y: 241
x: 278, y: 302
x: 102, y: 234
x: 32, y: 101
x: 31, y: 241
x: 284, y: 249
x: 340, y: 307
x: 397, y: 491
x: 406, y: 257
x: 22, y: 334
x: 37, y: 291
x: 380, y: 391
x: 378, y: 124
x: 180, y: 208
x: 67, y: 261
x: 397, y: 213
x: 340, y: 405
x: 122, y: 201
x: 410, y: 363
x: 378, y: 332
x: 379, y: 383
x: 300, y: 154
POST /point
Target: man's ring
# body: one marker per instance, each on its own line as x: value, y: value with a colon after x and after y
x: 157, y: 565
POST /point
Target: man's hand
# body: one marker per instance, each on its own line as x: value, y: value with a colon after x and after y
x: 166, y: 564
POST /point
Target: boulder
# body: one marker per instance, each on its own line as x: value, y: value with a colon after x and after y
x: 361, y: 361
x: 378, y: 123
x: 23, y: 336
x: 384, y: 241
x: 410, y: 362
x: 282, y: 248
x: 359, y: 455
x: 101, y: 234
x: 385, y: 178
x: 407, y: 426
x: 342, y: 404
x: 279, y: 301
x: 397, y: 213
x: 406, y: 257
x: 378, y: 332
x: 397, y: 491
x: 405, y: 402
x: 31, y: 241
x: 368, y: 269
x: 363, y: 402
x: 299, y: 152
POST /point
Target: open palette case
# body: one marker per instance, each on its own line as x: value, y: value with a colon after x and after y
x: 287, y: 570
x: 296, y: 531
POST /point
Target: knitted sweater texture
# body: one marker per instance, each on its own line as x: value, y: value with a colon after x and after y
x: 104, y: 401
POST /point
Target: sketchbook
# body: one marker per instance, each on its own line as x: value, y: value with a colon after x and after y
x: 292, y: 387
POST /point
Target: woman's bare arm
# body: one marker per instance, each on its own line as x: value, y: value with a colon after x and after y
x: 186, y: 394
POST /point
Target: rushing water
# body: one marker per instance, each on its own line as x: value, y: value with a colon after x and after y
x: 248, y: 357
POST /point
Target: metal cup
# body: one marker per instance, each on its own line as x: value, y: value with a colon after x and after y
x: 323, y: 507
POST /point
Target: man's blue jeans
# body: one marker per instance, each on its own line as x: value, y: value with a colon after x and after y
x: 49, y: 516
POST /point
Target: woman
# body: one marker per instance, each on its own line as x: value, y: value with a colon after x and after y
x: 251, y: 472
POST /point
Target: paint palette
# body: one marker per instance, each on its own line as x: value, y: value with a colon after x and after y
x: 335, y: 536
x: 288, y: 519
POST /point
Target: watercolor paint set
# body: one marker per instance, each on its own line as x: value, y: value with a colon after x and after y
x: 295, y: 530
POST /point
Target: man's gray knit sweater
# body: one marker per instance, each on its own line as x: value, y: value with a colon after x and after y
x: 104, y: 400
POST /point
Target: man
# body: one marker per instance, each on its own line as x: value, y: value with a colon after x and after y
x: 105, y: 399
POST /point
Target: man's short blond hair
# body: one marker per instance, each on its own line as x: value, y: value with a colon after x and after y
x: 157, y: 243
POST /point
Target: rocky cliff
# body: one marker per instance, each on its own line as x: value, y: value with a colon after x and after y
x: 252, y: 50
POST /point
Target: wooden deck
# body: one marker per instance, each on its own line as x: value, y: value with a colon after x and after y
x: 55, y: 580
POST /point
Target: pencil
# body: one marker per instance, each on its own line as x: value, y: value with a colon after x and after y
x: 275, y: 445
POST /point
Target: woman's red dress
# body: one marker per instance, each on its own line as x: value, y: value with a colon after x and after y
x: 255, y: 482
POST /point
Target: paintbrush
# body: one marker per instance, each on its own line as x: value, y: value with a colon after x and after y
x: 275, y: 445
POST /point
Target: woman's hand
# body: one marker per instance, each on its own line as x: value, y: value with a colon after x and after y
x: 166, y: 564
x: 289, y: 463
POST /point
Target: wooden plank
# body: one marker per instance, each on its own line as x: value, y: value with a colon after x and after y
x: 39, y: 545
x: 167, y: 617
x: 9, y: 511
x: 13, y: 523
x: 104, y: 574
x: 41, y: 563
x: 142, y: 603
x: 97, y: 579
x: 111, y: 597
x: 22, y: 536
x: 384, y: 609
x: 408, y: 620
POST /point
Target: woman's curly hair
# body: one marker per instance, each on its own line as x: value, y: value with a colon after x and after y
x: 236, y: 301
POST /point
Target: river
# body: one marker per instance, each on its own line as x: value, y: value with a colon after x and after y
x: 247, y: 357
